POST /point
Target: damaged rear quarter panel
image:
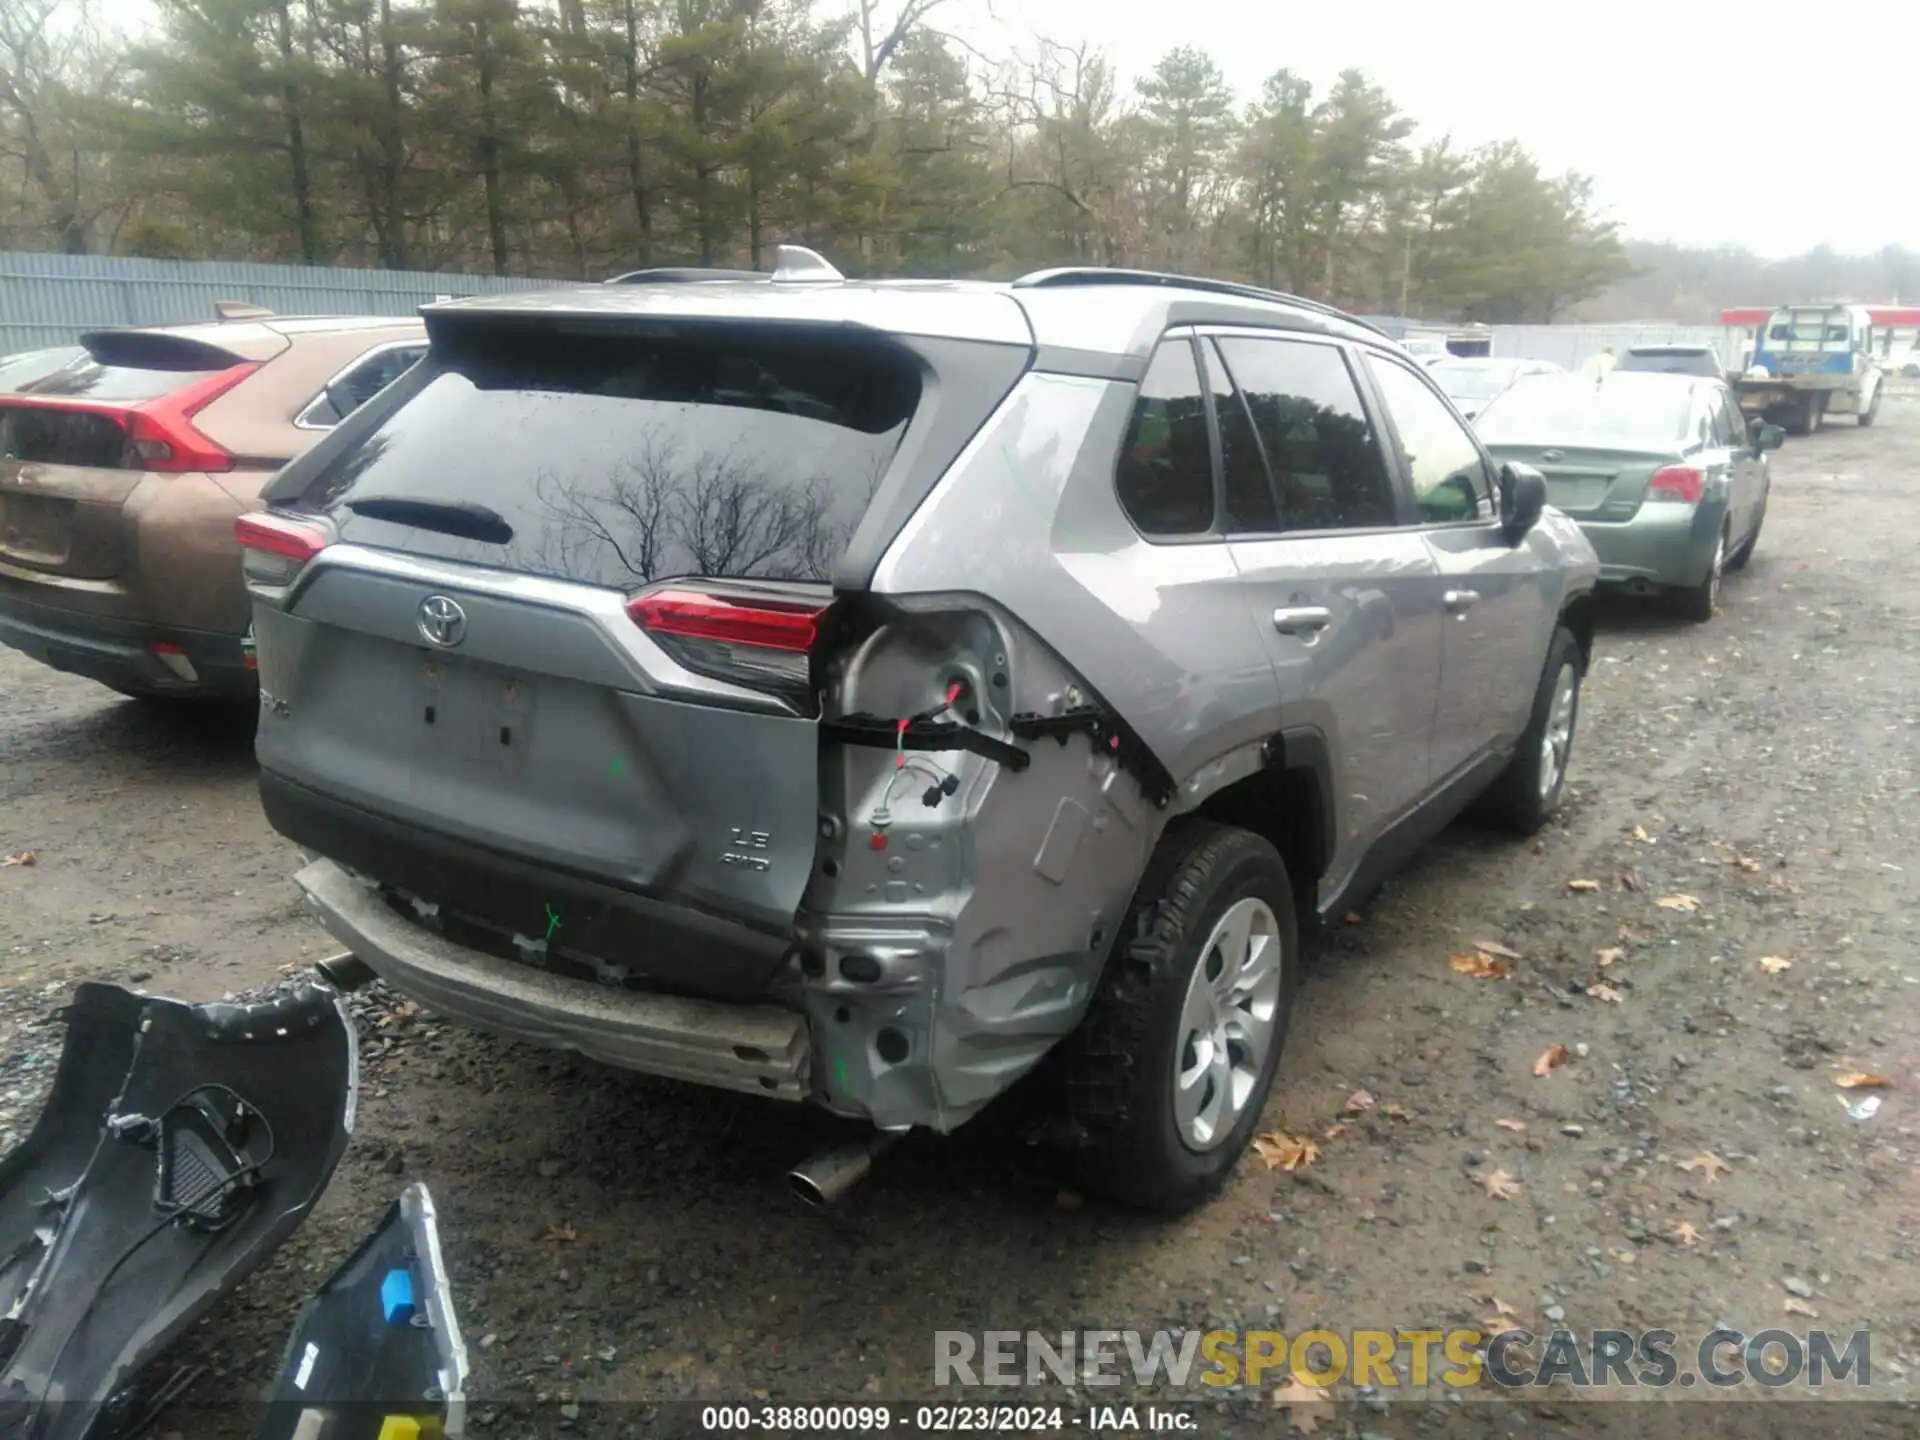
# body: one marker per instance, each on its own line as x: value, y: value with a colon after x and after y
x: 986, y: 920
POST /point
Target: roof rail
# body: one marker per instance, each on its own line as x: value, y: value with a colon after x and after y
x: 1101, y: 275
x: 682, y: 275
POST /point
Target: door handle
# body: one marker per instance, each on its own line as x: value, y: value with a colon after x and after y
x: 1460, y: 601
x: 1302, y: 620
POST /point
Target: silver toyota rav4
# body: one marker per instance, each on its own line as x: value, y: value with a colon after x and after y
x: 868, y: 693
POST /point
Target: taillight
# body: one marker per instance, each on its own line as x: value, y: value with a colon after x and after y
x: 762, y: 642
x: 1677, y: 484
x: 274, y: 548
x: 159, y: 433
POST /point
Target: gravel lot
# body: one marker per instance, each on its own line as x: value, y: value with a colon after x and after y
x: 1763, y: 765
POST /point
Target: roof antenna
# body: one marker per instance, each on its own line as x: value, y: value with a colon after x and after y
x: 797, y: 263
x: 239, y: 310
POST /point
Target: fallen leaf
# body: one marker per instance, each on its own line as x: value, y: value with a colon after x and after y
x: 1517, y: 1126
x: 24, y: 857
x: 1352, y: 917
x: 561, y: 1234
x: 1746, y: 863
x: 1358, y: 1103
x: 1685, y: 903
x: 1282, y: 1151
x: 1632, y: 935
x: 1640, y: 834
x: 1481, y: 967
x: 1686, y: 1234
x: 1800, y: 1307
x: 1551, y: 1059
x: 1629, y: 880
x: 1494, y: 947
x: 1306, y: 1405
x: 1396, y: 1111
x: 1500, y: 1185
x: 1604, y: 992
x: 1774, y: 964
x: 1583, y: 887
x: 1333, y: 1132
x: 1612, y: 955
x: 1854, y: 1080
x: 1705, y: 1164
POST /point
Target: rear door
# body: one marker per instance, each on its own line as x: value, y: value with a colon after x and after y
x: 1743, y: 470
x: 1340, y: 585
x: 1491, y: 593
x: 568, y: 613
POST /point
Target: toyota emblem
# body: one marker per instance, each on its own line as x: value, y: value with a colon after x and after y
x: 442, y: 621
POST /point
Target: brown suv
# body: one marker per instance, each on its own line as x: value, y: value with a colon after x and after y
x: 121, y: 474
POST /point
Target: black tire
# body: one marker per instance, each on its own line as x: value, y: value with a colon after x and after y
x: 1872, y: 412
x: 1807, y: 417
x: 1698, y: 602
x: 1112, y: 1079
x: 1517, y: 801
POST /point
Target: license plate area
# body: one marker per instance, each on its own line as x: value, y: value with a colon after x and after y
x: 35, y: 527
x: 475, y: 715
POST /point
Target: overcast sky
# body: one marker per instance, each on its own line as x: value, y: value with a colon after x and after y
x: 1767, y: 124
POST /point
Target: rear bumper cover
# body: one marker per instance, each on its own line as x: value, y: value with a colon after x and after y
x: 762, y: 1050
x: 1661, y: 545
x: 118, y: 652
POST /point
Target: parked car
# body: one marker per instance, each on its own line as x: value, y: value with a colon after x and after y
x: 1665, y: 476
x: 1471, y: 383
x: 1675, y: 359
x: 121, y: 474
x: 866, y: 692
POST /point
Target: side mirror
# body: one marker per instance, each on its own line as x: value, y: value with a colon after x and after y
x: 1766, y: 437
x: 1523, y: 495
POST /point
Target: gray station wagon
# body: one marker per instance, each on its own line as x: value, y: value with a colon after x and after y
x: 871, y: 693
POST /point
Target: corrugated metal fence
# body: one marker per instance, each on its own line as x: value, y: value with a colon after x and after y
x: 49, y: 299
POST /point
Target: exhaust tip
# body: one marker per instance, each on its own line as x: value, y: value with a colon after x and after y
x: 806, y: 1189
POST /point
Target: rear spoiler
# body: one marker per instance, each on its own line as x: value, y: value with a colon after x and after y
x: 157, y: 350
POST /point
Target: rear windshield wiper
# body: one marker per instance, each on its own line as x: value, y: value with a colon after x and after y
x: 463, y: 518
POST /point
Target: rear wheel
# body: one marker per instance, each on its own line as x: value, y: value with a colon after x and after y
x: 1528, y: 791
x: 1698, y: 602
x: 1807, y: 419
x: 1163, y: 1082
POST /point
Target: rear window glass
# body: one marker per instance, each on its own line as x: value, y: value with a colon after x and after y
x: 1548, y: 410
x: 88, y: 379
x: 1476, y: 382
x: 618, y: 460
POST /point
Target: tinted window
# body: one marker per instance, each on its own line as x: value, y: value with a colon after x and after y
x: 361, y: 384
x: 619, y: 459
x: 88, y: 379
x: 1728, y: 427
x: 1328, y: 473
x: 1248, y: 489
x: 1449, y: 477
x: 1623, y: 412
x: 1165, y: 476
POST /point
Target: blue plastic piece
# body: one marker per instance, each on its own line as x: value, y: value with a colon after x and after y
x: 396, y: 1297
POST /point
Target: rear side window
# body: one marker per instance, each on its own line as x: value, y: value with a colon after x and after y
x: 361, y: 382
x: 1328, y: 471
x: 1165, y: 475
x: 616, y: 459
